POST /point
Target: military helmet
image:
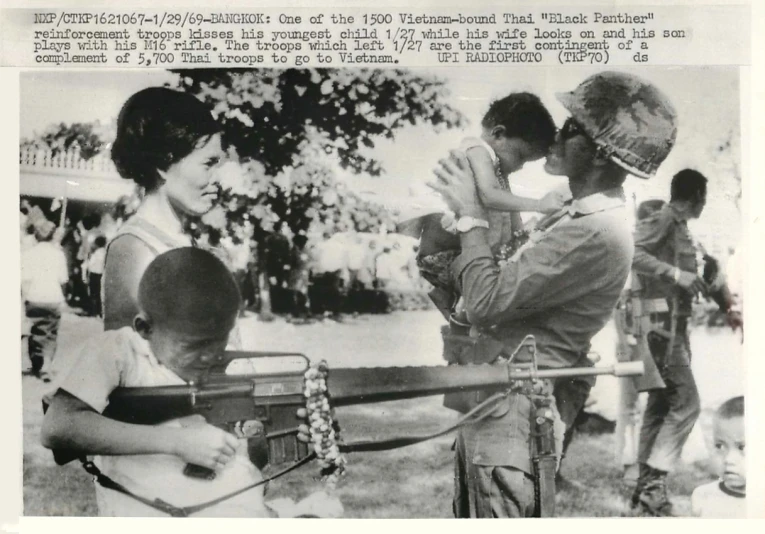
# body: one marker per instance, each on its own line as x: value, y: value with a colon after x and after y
x: 632, y: 122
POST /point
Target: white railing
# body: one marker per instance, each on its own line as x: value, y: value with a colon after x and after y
x: 38, y: 160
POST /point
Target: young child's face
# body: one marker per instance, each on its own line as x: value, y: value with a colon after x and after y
x: 730, y: 452
x: 514, y: 153
x: 187, y: 354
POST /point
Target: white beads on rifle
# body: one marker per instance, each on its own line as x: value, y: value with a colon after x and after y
x: 323, y: 430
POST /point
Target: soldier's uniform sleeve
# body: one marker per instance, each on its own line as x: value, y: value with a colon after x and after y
x: 652, y: 235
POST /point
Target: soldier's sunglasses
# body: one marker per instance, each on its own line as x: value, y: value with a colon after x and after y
x: 571, y: 129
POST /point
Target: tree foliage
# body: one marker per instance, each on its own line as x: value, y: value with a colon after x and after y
x: 289, y: 129
x: 271, y: 115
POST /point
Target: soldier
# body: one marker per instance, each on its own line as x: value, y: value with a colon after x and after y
x: 561, y: 287
x: 668, y: 269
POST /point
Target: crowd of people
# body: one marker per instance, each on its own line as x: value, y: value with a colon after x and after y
x: 170, y: 302
x: 342, y: 273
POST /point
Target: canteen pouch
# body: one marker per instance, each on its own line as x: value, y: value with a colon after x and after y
x: 466, y: 350
x: 658, y: 343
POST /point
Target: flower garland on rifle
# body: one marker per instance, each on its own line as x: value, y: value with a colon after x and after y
x: 324, y: 431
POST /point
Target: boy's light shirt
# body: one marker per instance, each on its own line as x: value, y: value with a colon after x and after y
x: 122, y: 358
x: 712, y: 502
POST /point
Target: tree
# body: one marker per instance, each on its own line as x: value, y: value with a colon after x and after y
x: 271, y: 115
x: 288, y: 130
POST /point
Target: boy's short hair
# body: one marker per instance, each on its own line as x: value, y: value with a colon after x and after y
x: 189, y: 290
x: 687, y: 184
x: 731, y: 409
x: 524, y: 116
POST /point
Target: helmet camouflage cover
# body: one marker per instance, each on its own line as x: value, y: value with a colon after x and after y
x: 632, y: 121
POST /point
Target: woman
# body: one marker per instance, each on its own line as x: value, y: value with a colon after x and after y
x: 169, y: 144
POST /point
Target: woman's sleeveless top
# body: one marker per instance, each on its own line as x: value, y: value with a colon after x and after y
x: 159, y: 242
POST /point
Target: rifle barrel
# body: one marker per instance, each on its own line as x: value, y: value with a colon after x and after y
x: 369, y: 385
x: 149, y: 405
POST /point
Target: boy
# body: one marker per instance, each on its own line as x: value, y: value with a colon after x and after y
x: 726, y: 498
x: 188, y: 304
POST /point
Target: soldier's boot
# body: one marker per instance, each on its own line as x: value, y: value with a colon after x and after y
x: 643, y: 476
x: 653, y: 497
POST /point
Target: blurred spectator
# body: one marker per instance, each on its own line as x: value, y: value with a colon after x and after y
x: 278, y: 252
x: 385, y: 267
x: 735, y: 272
x: 95, y: 270
x: 399, y: 258
x: 356, y: 253
x: 43, y: 274
x: 329, y: 262
x: 368, y: 272
x: 28, y: 239
x: 239, y: 259
x: 108, y: 227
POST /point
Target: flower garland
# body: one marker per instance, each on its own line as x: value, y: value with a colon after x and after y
x: 507, y: 250
x: 324, y: 430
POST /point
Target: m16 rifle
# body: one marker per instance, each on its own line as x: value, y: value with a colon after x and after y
x: 271, y: 399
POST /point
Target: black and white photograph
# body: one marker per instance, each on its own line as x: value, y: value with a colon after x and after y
x: 469, y: 291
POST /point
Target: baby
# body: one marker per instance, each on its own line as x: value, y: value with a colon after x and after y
x: 516, y: 129
x: 188, y: 304
x: 726, y: 498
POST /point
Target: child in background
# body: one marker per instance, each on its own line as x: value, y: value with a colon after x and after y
x: 516, y: 130
x: 188, y: 304
x: 726, y: 498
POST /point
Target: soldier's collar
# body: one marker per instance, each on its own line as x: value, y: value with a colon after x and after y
x: 602, y: 201
x: 678, y: 213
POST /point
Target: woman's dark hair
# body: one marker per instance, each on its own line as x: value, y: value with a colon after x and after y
x: 524, y: 116
x: 156, y: 128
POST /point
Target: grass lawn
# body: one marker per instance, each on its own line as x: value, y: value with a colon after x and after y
x: 414, y: 482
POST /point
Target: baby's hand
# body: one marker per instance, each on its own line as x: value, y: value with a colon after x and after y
x: 551, y: 202
x: 202, y: 444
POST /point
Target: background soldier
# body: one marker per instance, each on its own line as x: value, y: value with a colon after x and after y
x: 666, y: 260
x: 631, y: 345
x: 561, y: 287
